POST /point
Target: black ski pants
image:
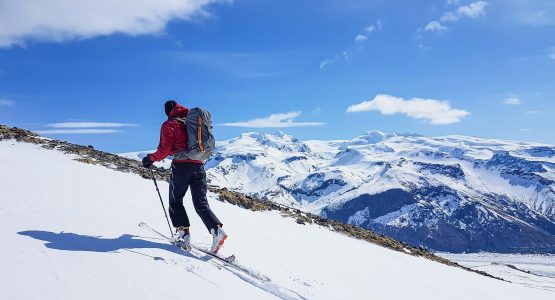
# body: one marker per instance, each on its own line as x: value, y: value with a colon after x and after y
x: 184, y: 175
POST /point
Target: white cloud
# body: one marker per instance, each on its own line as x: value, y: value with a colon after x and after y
x: 436, y: 112
x: 361, y: 38
x: 512, y: 100
x: 374, y: 27
x: 325, y: 63
x: 473, y: 10
x: 434, y: 26
x: 345, y: 55
x: 84, y: 128
x: 6, y: 102
x: 78, y: 131
x: 423, y: 47
x: 89, y: 125
x: 538, y: 13
x: 61, y: 20
x: 449, y: 17
x: 552, y: 55
x: 453, y: 2
x: 274, y: 121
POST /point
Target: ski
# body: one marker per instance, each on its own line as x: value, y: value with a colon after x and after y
x: 226, y: 261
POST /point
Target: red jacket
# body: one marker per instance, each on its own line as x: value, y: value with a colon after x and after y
x: 173, y: 137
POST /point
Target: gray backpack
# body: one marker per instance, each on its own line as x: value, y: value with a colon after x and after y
x: 200, y: 140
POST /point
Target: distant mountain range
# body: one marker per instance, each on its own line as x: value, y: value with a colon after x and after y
x: 451, y: 193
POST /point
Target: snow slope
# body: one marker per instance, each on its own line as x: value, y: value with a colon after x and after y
x: 68, y: 231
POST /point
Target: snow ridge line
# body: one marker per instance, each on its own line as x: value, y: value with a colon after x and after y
x: 89, y: 155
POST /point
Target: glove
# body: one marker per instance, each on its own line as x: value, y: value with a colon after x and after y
x: 147, y: 162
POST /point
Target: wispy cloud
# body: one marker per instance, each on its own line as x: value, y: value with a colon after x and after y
x: 6, y: 102
x: 449, y: 17
x: 537, y: 13
x: 512, y: 100
x: 84, y: 128
x: 374, y: 27
x: 537, y: 112
x: 325, y: 63
x: 78, y: 131
x: 436, y: 112
x: 89, y: 125
x: 317, y: 111
x: 343, y: 56
x: 359, y: 42
x: 435, y: 26
x: 62, y: 20
x: 274, y: 121
x: 361, y: 38
x: 472, y: 11
x: 239, y: 64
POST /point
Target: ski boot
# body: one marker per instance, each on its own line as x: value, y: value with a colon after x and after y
x: 219, y: 236
x: 182, y: 238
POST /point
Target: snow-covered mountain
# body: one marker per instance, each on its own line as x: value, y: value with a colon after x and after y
x: 68, y: 217
x: 452, y: 193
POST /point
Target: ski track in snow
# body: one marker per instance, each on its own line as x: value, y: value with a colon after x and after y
x: 69, y: 231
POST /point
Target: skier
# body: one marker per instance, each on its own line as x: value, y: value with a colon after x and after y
x: 184, y: 173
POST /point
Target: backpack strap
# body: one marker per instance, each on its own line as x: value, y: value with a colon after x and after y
x: 199, y: 134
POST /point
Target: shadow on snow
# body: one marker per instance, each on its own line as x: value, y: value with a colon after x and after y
x: 76, y: 242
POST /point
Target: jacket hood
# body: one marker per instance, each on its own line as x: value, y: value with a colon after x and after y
x: 178, y: 111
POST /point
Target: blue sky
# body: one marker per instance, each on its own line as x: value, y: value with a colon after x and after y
x: 315, y: 69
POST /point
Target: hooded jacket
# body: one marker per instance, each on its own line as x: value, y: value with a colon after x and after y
x: 173, y: 137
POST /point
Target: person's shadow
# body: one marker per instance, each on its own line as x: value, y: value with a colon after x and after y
x: 76, y: 242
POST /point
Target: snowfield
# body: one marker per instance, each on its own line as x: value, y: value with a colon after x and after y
x: 534, y: 270
x: 69, y: 231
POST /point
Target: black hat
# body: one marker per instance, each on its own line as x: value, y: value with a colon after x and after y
x: 168, y: 106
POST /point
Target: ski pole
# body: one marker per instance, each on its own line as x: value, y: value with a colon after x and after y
x: 161, y: 201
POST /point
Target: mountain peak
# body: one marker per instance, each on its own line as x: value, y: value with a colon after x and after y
x: 280, y: 133
x: 376, y: 136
